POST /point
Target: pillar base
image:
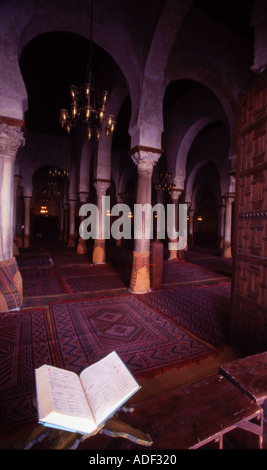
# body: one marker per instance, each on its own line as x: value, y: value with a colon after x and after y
x: 140, y: 278
x: 190, y: 242
x: 26, y: 241
x: 99, y: 253
x: 220, y: 243
x: 15, y: 248
x: 19, y: 241
x: 81, y: 248
x: 227, y: 250
x: 172, y: 255
x: 71, y: 242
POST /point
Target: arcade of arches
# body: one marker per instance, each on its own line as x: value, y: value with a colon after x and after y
x: 174, y: 71
x: 174, y: 77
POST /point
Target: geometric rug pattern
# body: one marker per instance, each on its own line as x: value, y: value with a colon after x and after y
x: 88, y: 283
x: 153, y: 331
x: 204, y: 311
x: 180, y: 272
x: 74, y: 334
x: 24, y: 344
x: 144, y: 338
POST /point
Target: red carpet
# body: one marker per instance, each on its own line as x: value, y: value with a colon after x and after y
x: 202, y: 310
x: 181, y: 272
x: 150, y: 332
x: 74, y: 334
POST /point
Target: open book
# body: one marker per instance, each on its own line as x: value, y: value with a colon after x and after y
x: 83, y: 403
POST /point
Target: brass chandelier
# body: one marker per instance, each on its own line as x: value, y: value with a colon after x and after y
x: 87, y: 104
x: 164, y: 183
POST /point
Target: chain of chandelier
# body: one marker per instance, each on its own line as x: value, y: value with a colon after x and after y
x: 87, y: 104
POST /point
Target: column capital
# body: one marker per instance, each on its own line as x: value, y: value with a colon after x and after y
x: 175, y: 194
x: 120, y: 198
x: 11, y: 138
x: 101, y: 186
x: 145, y: 158
x: 229, y: 198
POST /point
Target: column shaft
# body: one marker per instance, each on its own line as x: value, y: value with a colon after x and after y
x: 140, y: 278
x: 71, y: 243
x: 227, y: 250
x: 11, y: 138
x: 27, y: 221
x: 173, y: 239
x: 99, y: 252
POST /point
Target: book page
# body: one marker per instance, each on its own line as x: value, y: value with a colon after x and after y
x: 60, y: 392
x: 107, y: 384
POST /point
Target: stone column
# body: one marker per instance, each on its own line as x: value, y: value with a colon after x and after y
x: 66, y: 218
x: 72, y: 204
x: 175, y: 200
x: 191, y: 229
x: 20, y: 216
x: 61, y: 222
x: 15, y: 244
x: 11, y: 138
x: 99, y: 251
x: 81, y: 247
x: 227, y: 251
x: 27, y: 221
x: 221, y: 233
x: 120, y: 200
x: 145, y: 159
x: 188, y: 204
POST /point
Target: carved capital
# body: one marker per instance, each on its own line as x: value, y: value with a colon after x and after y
x: 229, y: 198
x: 175, y: 195
x: 145, y: 161
x: 11, y: 138
x: 101, y: 187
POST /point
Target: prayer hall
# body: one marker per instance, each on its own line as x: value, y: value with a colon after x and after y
x: 133, y: 218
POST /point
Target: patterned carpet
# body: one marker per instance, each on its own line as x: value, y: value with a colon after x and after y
x: 74, y: 334
x: 90, y: 283
x: 204, y: 311
x: 66, y: 322
x: 183, y: 272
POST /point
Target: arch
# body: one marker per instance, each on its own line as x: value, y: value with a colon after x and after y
x: 147, y: 118
x: 225, y: 90
x: 115, y: 102
x: 191, y: 193
x: 125, y: 177
x: 189, y: 108
x: 64, y: 22
x: 206, y: 205
x: 189, y: 137
x: 120, y: 49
